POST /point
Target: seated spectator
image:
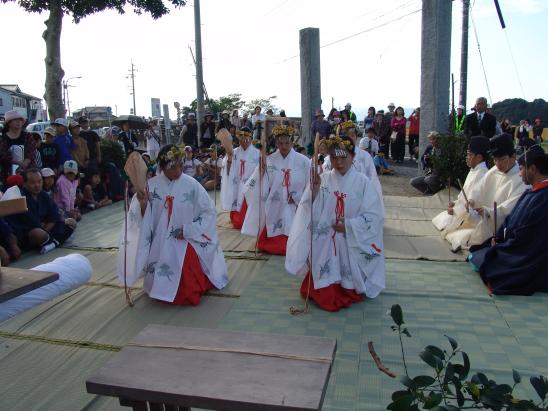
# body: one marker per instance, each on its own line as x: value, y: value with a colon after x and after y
x: 369, y: 143
x: 516, y: 261
x: 146, y: 158
x: 49, y: 150
x: 65, y: 190
x: 212, y: 175
x: 37, y: 143
x: 233, y: 134
x: 42, y: 226
x: 48, y: 177
x: 381, y: 165
x: 191, y: 166
x: 14, y: 180
x: 95, y: 193
x: 9, y: 250
x: 429, y: 183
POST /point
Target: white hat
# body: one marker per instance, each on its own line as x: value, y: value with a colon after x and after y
x: 60, y: 122
x: 47, y: 172
x: 13, y: 115
x: 70, y: 165
x: 391, y: 105
x: 348, y: 105
x: 460, y: 106
x: 50, y: 130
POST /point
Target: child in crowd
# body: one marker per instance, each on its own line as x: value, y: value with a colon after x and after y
x: 381, y: 164
x: 65, y: 190
x: 191, y: 166
x: 213, y: 168
x: 49, y: 150
x: 95, y: 193
x: 37, y: 143
x: 235, y: 140
x: 369, y: 143
x: 48, y: 179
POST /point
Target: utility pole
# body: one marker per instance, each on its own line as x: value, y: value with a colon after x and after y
x: 311, y: 86
x: 199, y: 71
x: 132, y: 76
x: 464, y: 53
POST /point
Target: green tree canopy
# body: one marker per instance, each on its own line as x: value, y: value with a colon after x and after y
x: 517, y: 109
x: 232, y: 102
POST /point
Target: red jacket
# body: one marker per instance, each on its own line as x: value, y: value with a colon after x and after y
x: 414, y: 124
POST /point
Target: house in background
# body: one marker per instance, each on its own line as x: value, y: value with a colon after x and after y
x: 12, y: 98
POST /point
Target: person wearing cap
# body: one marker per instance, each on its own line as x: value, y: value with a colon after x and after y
x: 349, y: 113
x: 283, y: 183
x: 457, y: 122
x: 80, y: 152
x: 208, y: 131
x: 501, y: 184
x: 347, y: 256
x: 390, y: 113
x: 63, y: 139
x: 189, y: 132
x: 17, y: 147
x: 480, y: 122
x: 172, y: 236
x: 413, y: 133
x: 42, y: 227
x: 320, y: 125
x: 114, y: 135
x: 65, y: 190
x: 224, y: 122
x: 237, y: 170
x: 48, y: 181
x: 93, y: 140
x: 49, y: 150
x: 476, y: 159
x: 516, y: 261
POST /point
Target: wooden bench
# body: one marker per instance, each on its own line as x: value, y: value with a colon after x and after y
x: 175, y: 368
x: 17, y: 281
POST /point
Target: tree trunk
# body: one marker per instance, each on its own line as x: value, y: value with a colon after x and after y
x: 54, y: 71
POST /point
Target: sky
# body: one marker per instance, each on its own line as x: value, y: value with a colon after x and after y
x: 252, y: 47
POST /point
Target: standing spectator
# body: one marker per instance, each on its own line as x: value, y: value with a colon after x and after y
x: 114, y: 135
x: 189, y: 132
x: 65, y: 190
x: 42, y: 226
x: 208, y: 131
x: 224, y: 122
x: 16, y: 146
x: 233, y: 134
x: 153, y: 141
x: 397, y: 124
x: 537, y: 131
x: 93, y: 140
x: 480, y: 123
x: 349, y: 113
x: 382, y: 130
x: 457, y: 123
x: 49, y: 150
x: 414, y: 126
x: 63, y: 140
x: 257, y: 120
x: 282, y: 113
x: 269, y: 113
x: 320, y: 125
x: 368, y: 120
x: 507, y: 127
x: 523, y: 131
x: 235, y: 118
x: 128, y: 139
x: 246, y: 122
x: 80, y: 152
x: 388, y: 116
x: 37, y: 138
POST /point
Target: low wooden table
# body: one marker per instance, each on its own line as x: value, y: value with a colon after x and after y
x: 179, y: 367
x: 17, y: 281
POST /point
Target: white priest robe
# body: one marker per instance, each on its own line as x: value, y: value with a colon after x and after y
x: 152, y: 247
x: 363, y: 162
x: 473, y: 179
x: 505, y: 189
x: 284, y: 177
x: 233, y: 180
x: 355, y: 260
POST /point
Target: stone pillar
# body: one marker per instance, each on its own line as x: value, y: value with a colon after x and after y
x: 435, y: 68
x: 311, y: 88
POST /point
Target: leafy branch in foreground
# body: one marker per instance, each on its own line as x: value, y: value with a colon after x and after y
x: 448, y: 388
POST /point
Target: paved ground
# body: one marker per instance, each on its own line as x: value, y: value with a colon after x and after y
x: 398, y: 184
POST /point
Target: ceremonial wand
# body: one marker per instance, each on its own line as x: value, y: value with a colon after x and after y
x: 215, y: 178
x: 262, y: 166
x: 314, y: 177
x: 494, y: 222
x: 462, y: 189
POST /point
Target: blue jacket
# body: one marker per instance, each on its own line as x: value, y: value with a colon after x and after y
x: 66, y: 144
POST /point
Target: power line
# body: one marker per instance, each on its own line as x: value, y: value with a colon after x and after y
x: 481, y: 57
x: 514, y: 62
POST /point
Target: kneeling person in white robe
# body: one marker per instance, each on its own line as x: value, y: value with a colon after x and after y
x: 346, y: 259
x: 172, y: 237
x: 502, y: 184
x: 476, y: 157
x: 287, y: 175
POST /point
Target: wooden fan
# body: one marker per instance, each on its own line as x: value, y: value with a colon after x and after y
x: 225, y: 138
x: 136, y: 169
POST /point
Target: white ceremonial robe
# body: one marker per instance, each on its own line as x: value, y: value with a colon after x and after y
x: 233, y: 182
x: 505, y: 189
x: 363, y: 162
x: 274, y: 209
x: 153, y: 251
x: 355, y: 259
x: 473, y: 179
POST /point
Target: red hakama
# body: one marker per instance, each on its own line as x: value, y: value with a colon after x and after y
x: 194, y: 283
x: 272, y: 245
x: 330, y: 298
x: 237, y: 217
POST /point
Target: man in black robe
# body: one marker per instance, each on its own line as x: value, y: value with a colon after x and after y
x: 516, y: 261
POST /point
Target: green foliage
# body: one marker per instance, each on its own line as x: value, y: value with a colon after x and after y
x: 264, y: 103
x: 517, y: 109
x: 232, y: 102
x: 79, y: 9
x: 112, y: 152
x: 449, y: 160
x: 450, y: 389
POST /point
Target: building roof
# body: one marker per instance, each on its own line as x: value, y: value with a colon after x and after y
x: 14, y: 88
